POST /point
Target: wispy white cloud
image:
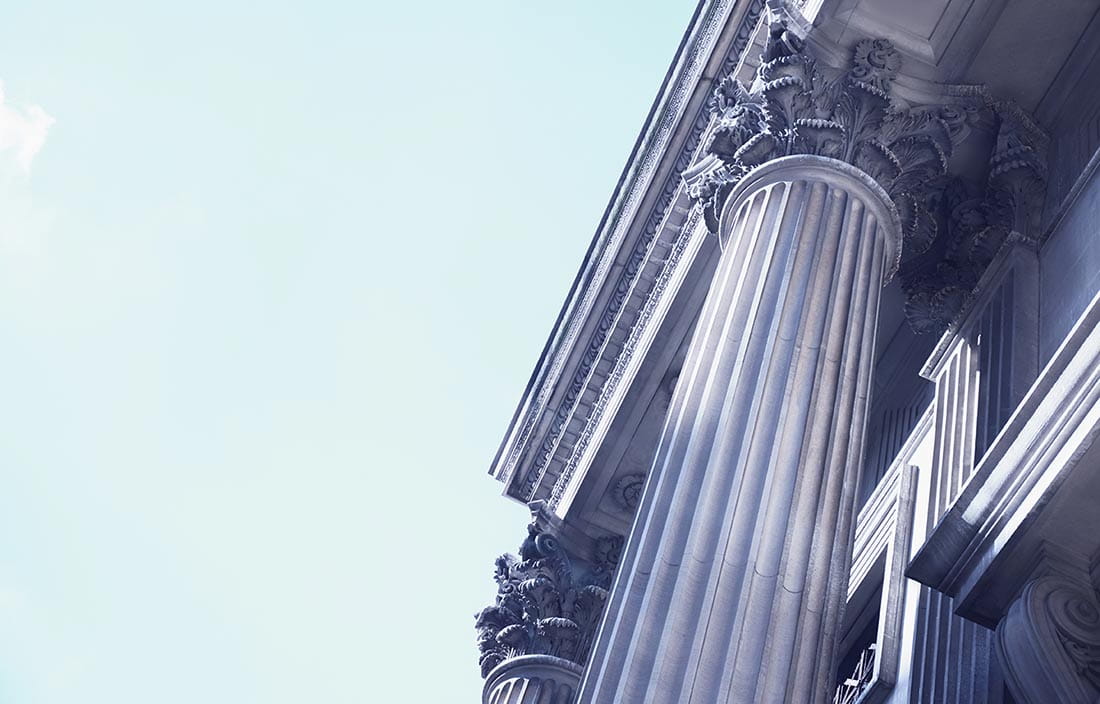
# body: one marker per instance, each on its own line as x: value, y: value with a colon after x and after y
x: 23, y: 130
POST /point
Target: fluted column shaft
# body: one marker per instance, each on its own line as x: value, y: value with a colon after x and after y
x: 732, y: 579
x: 532, y: 679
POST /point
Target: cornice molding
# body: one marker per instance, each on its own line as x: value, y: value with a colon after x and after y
x: 627, y: 357
x: 536, y: 434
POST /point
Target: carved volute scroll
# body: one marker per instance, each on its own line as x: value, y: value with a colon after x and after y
x: 547, y: 602
x: 1049, y: 643
x: 951, y: 229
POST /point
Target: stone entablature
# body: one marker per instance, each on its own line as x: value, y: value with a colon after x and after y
x: 643, y: 225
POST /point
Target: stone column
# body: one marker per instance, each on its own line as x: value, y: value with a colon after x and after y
x: 532, y: 679
x: 735, y: 570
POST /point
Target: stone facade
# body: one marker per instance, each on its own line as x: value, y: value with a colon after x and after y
x: 830, y: 378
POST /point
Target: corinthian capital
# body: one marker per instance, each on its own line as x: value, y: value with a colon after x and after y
x: 951, y: 229
x: 548, y: 603
x: 977, y: 220
x: 796, y: 107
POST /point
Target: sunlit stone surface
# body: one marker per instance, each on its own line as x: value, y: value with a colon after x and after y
x: 842, y: 324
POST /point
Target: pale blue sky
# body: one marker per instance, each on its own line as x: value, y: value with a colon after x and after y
x: 270, y: 291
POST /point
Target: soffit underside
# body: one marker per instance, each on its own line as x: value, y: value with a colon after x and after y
x: 1017, y: 50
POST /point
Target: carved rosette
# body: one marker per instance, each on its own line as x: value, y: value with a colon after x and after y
x: 950, y: 234
x: 627, y: 491
x: 547, y: 603
x: 1049, y: 643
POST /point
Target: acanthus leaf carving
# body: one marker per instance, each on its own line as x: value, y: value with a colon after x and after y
x: 796, y: 107
x: 547, y: 602
x: 976, y: 222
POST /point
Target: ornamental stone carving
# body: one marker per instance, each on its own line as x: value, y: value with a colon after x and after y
x: 1049, y: 643
x: 627, y: 491
x: 547, y: 602
x: 977, y: 222
x: 951, y: 228
x: 796, y: 107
